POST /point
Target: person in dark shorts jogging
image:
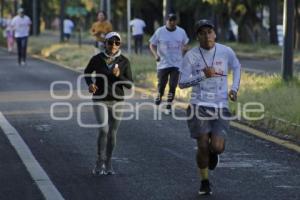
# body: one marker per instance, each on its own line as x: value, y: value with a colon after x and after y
x: 205, y: 69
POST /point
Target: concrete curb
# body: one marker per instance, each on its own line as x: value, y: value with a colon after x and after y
x: 281, y: 142
x: 244, y: 128
x: 54, y: 62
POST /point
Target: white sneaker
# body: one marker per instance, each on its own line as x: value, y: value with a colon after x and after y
x: 109, y: 169
x: 168, y: 111
x: 23, y: 63
x: 99, y: 169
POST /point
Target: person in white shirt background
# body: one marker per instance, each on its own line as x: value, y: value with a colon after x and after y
x: 138, y: 26
x: 68, y: 28
x: 168, y: 45
x: 205, y: 69
x: 21, y: 26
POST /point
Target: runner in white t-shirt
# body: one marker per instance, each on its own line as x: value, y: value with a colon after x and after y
x: 138, y: 26
x: 68, y: 28
x: 168, y: 44
x: 21, y: 26
x: 205, y: 69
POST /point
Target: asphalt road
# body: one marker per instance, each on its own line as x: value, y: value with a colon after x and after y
x: 265, y: 66
x: 154, y: 159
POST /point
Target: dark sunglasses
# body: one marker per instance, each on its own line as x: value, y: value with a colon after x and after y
x: 112, y: 42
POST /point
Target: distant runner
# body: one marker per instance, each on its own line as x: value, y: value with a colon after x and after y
x: 21, y: 26
x: 99, y: 29
x: 168, y: 45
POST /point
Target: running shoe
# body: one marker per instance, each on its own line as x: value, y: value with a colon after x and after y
x: 205, y: 188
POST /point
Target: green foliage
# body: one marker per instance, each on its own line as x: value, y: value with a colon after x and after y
x: 280, y: 100
x: 185, y: 6
x: 50, y: 8
x: 76, y: 11
x: 89, y: 5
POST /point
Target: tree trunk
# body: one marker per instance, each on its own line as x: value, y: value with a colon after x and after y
x: 2, y: 9
x: 187, y: 22
x: 273, y: 5
x: 297, y: 25
x: 16, y: 4
x: 168, y: 8
x: 62, y: 17
x: 27, y: 5
x: 223, y: 23
x: 250, y: 26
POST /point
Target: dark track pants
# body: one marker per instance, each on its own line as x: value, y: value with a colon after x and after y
x: 22, y: 48
x: 170, y: 74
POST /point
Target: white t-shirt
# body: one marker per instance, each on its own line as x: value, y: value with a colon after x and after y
x: 21, y: 26
x: 68, y: 26
x: 169, y: 46
x: 137, y: 26
x: 212, y: 92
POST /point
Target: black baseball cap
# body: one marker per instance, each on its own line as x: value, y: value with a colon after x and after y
x: 203, y: 23
x: 171, y: 16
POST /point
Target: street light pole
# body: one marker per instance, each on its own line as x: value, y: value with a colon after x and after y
x: 102, y: 5
x: 108, y: 10
x: 167, y: 8
x: 16, y: 6
x: 288, y: 39
x: 128, y: 27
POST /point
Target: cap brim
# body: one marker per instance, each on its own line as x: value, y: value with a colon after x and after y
x: 114, y: 37
x: 111, y: 35
x: 205, y: 25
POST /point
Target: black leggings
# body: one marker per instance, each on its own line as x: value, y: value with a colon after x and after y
x: 163, y: 75
x: 22, y: 48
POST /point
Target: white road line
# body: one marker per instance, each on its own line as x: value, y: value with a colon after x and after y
x: 37, y: 173
x: 221, y: 164
x: 234, y: 164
